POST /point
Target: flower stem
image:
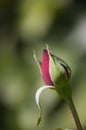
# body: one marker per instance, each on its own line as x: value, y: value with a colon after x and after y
x: 75, y: 115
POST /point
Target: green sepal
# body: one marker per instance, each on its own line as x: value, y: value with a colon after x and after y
x: 64, y: 91
x: 37, y: 98
x: 58, y: 77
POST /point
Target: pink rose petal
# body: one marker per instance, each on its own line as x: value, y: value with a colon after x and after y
x: 45, y: 68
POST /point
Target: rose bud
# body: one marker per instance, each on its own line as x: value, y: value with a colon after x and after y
x: 56, y: 75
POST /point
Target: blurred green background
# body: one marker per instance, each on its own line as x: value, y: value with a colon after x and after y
x: 30, y: 24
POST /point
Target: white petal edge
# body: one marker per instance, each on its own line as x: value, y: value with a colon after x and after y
x: 37, y: 96
x: 39, y: 91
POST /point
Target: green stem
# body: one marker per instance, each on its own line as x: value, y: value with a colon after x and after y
x: 75, y: 115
